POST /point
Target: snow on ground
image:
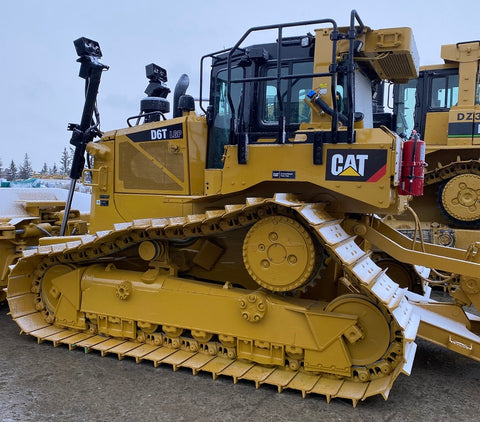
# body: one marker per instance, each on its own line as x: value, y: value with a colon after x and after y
x: 13, y: 198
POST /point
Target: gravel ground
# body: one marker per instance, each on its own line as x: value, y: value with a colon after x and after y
x: 39, y: 382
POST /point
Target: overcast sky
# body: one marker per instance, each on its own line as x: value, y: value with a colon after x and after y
x: 41, y: 90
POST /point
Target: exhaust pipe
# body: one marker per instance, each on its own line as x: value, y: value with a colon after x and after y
x: 180, y: 90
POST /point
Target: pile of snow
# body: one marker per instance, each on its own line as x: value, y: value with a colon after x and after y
x: 12, y: 199
x: 63, y: 184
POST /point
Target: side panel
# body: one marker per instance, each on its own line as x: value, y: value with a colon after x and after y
x: 358, y: 172
x: 197, y: 151
x: 152, y: 158
x: 436, y: 129
x: 133, y: 207
x: 148, y: 171
x: 476, y: 125
x: 461, y: 126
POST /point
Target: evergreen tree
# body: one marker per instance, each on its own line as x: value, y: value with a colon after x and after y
x: 1, y: 168
x: 44, y: 171
x: 65, y: 162
x: 26, y: 170
x: 54, y: 170
x: 11, y: 172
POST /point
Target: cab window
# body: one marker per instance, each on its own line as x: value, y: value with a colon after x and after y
x: 444, y: 93
x: 219, y: 135
x: 292, y: 94
x: 406, y: 106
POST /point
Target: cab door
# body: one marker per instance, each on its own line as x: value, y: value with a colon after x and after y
x: 442, y: 126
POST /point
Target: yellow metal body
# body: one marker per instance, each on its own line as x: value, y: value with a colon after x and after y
x: 172, y: 176
x: 465, y: 58
x: 452, y: 136
x: 215, y: 270
x: 25, y: 217
x: 120, y: 201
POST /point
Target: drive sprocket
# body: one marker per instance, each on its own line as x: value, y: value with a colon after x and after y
x: 460, y: 200
x: 279, y: 254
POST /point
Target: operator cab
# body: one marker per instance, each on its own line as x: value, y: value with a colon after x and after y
x: 267, y: 93
x: 435, y: 91
x: 258, y: 104
x: 442, y: 105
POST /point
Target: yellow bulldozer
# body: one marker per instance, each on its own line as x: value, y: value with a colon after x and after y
x: 26, y: 215
x: 238, y: 241
x: 443, y: 106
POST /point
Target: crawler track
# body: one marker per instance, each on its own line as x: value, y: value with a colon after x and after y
x: 445, y: 172
x: 33, y: 319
